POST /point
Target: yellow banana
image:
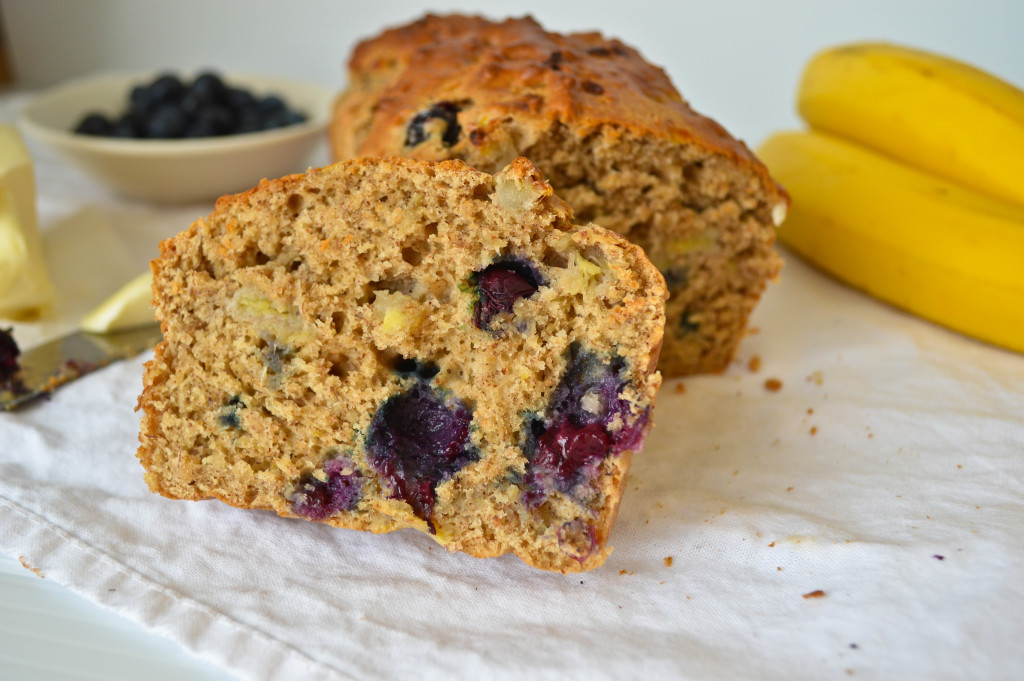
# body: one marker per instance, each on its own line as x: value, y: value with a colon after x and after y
x: 922, y: 243
x: 932, y: 112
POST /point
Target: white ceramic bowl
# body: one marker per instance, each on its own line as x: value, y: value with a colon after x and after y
x: 179, y: 170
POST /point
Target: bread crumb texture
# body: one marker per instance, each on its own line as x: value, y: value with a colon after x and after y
x: 610, y: 132
x: 390, y: 343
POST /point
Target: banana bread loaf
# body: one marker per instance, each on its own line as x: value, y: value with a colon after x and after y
x: 389, y: 343
x: 611, y: 134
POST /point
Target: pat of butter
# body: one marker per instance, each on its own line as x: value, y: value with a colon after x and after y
x: 24, y: 284
x: 127, y: 308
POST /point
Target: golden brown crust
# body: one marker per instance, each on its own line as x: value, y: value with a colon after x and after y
x: 611, y: 133
x: 511, y: 68
x: 284, y: 312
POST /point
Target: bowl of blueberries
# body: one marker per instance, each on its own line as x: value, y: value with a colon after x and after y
x: 171, y: 138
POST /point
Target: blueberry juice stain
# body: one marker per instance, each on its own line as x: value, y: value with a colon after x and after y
x: 339, y: 488
x: 587, y: 421
x: 417, y: 440
x: 499, y: 286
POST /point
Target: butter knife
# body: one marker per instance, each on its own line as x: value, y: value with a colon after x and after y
x: 50, y: 365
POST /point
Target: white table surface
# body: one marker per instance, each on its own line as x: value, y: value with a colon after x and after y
x: 48, y: 632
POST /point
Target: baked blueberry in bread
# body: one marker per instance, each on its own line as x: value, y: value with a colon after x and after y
x: 389, y: 343
x: 610, y: 133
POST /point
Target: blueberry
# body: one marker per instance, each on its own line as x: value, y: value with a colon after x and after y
x: 499, y: 286
x: 445, y: 111
x: 687, y: 325
x: 273, y: 121
x: 138, y: 95
x: 416, y: 440
x: 167, y: 121
x: 248, y: 121
x: 239, y: 99
x: 94, y: 124
x: 208, y: 88
x: 566, y: 449
x: 318, y: 499
x: 145, y: 100
x: 676, y: 277
x: 166, y: 89
x: 271, y: 104
x: 211, y: 120
x: 9, y: 352
x: 275, y: 355
x: 587, y: 421
x: 129, y: 126
x: 425, y: 371
x: 166, y: 108
x: 554, y: 60
x: 228, y: 416
x: 142, y: 101
x: 199, y: 128
x: 191, y: 105
x: 293, y: 117
x: 578, y: 539
x: 589, y: 388
x: 406, y: 365
x: 631, y: 436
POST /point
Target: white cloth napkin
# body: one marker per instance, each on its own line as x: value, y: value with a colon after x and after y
x: 862, y: 521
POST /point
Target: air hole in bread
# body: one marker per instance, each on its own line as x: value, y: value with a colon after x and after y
x: 585, y: 215
x: 406, y: 285
x: 413, y: 254
x: 555, y: 259
x: 338, y: 322
x: 481, y: 192
x: 341, y: 366
x: 386, y: 358
x: 295, y: 203
x: 640, y: 233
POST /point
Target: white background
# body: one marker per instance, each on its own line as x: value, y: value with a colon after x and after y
x: 735, y: 60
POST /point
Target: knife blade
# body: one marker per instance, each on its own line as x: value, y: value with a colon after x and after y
x: 50, y: 365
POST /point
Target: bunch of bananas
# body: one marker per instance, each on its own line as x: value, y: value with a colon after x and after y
x: 910, y: 185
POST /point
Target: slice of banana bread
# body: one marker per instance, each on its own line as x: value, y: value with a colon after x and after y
x: 611, y: 134
x: 388, y: 343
